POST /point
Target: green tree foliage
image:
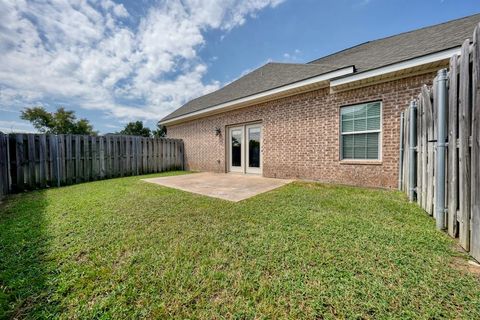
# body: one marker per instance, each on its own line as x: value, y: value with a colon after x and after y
x: 160, y: 132
x: 59, y: 122
x: 136, y: 129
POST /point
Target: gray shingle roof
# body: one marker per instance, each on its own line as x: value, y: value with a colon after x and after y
x: 270, y: 76
x: 366, y: 56
x: 405, y: 46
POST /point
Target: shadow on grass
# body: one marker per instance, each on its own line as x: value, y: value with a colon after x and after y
x: 24, y: 265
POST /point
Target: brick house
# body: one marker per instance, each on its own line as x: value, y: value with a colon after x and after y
x: 335, y: 119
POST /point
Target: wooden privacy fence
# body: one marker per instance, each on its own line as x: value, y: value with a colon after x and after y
x: 441, y: 148
x: 31, y: 161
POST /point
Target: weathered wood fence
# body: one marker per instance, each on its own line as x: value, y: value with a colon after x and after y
x: 461, y: 213
x: 33, y: 161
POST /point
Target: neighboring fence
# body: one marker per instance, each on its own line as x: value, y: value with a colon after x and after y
x: 4, y: 176
x: 32, y: 161
x: 441, y: 148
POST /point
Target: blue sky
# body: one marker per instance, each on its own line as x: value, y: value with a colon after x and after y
x: 118, y: 61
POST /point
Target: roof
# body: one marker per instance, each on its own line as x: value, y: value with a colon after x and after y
x: 378, y: 53
x: 366, y: 56
x: 270, y: 76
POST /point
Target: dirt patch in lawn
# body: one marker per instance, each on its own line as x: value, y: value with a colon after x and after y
x: 465, y: 264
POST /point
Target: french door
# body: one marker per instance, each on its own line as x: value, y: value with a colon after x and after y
x: 244, y: 149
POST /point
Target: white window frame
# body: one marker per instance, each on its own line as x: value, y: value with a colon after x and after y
x: 379, y: 131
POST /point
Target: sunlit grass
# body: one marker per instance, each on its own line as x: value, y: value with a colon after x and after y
x: 124, y: 248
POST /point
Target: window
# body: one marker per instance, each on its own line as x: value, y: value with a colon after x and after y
x: 360, y: 131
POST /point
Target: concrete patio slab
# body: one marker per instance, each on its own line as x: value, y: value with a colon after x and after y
x: 227, y: 186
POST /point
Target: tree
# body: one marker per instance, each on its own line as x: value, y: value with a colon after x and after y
x: 160, y: 132
x: 136, y: 129
x: 59, y: 122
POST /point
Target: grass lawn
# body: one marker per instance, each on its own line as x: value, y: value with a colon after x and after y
x: 124, y: 248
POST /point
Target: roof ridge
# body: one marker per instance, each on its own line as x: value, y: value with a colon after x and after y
x: 289, y: 63
x: 394, y: 35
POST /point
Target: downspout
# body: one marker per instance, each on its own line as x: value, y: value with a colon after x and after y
x: 412, y: 181
x: 400, y: 166
x: 441, y: 145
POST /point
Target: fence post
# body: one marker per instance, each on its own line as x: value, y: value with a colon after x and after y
x: 441, y: 137
x: 413, y: 149
x: 400, y: 166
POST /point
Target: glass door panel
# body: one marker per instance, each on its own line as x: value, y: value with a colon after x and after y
x: 254, y: 154
x: 236, y: 149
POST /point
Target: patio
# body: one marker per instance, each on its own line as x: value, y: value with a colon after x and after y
x: 226, y: 186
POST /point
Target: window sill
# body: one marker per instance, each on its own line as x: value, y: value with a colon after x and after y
x: 362, y: 162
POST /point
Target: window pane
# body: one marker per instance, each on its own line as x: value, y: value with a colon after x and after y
x: 347, y: 126
x: 372, y: 146
x: 347, y: 145
x: 360, y: 124
x: 360, y: 111
x: 237, y: 148
x: 373, y: 123
x: 373, y: 109
x: 254, y: 147
x: 360, y: 146
x: 347, y: 113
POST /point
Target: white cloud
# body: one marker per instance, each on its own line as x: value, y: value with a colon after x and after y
x: 292, y: 56
x: 86, y: 54
x: 362, y: 3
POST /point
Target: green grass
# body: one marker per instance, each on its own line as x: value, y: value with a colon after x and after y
x: 124, y: 248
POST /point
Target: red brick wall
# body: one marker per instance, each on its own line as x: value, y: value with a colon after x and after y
x: 301, y: 135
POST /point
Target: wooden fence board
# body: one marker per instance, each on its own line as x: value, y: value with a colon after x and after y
x: 128, y: 160
x: 464, y: 152
x: 430, y: 152
x: 115, y: 156
x: 122, y: 155
x: 452, y: 174
x: 101, y: 147
x: 144, y: 154
x: 108, y: 141
x: 69, y: 159
x: 433, y: 98
x: 424, y: 154
x: 407, y: 150
x: 62, y: 159
x: 420, y: 142
x: 42, y: 160
x: 4, y: 166
x: 55, y: 173
x: 94, y: 146
x: 20, y: 161
x: 78, y: 168
x: 31, y: 176
x: 475, y: 160
x: 157, y: 155
x: 87, y: 165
